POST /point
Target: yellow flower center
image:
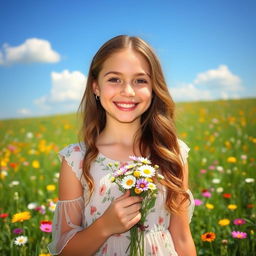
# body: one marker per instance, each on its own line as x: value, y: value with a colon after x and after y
x: 146, y: 171
x: 129, y: 182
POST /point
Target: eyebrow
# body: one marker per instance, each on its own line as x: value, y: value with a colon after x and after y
x: 119, y: 73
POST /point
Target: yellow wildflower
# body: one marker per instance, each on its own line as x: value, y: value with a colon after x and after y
x: 232, y: 206
x: 224, y: 222
x: 209, y: 206
x: 231, y: 159
x: 136, y: 173
x: 138, y: 190
x: 36, y: 164
x: 51, y: 187
x: 21, y: 216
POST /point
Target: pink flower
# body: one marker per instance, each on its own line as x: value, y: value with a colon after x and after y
x: 105, y: 249
x: 239, y: 221
x: 46, y: 227
x: 76, y: 149
x: 17, y: 231
x: 239, y: 235
x: 102, y: 190
x: 203, y: 171
x: 198, y: 202
x: 142, y: 184
x: 211, y: 167
x: 81, y: 164
x: 160, y: 220
x: 154, y: 249
x: 206, y: 194
x: 93, y: 210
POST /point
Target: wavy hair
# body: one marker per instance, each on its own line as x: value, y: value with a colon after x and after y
x: 157, y: 133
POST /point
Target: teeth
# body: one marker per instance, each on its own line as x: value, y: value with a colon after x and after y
x: 125, y: 105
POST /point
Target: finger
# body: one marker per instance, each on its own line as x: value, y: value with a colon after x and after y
x: 126, y: 202
x: 135, y: 218
x: 135, y: 208
x: 125, y: 195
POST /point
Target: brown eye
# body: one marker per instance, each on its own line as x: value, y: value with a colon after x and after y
x: 114, y: 80
x: 141, y: 81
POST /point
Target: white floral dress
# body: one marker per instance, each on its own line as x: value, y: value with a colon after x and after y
x: 77, y: 214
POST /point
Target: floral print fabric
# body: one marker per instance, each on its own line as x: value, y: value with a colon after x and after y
x: 158, y: 240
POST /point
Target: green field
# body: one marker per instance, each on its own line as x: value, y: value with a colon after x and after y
x: 222, y: 138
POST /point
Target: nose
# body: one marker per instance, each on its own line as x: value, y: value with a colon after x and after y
x: 128, y: 90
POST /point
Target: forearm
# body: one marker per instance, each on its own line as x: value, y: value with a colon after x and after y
x: 185, y: 247
x: 87, y: 241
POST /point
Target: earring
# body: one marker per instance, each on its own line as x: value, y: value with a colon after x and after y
x: 97, y: 97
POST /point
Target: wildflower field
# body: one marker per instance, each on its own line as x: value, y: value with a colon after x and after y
x: 222, y: 138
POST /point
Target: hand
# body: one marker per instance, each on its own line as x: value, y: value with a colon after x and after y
x: 122, y: 214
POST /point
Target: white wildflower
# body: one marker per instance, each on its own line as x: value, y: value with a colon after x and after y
x: 21, y: 240
x: 128, y: 182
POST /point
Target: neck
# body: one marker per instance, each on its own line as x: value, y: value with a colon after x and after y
x: 119, y: 133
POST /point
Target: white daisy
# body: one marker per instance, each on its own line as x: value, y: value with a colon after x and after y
x: 219, y: 190
x: 32, y: 206
x: 216, y: 181
x: 52, y: 206
x: 128, y: 182
x: 129, y: 172
x: 147, y: 171
x: 144, y: 160
x: 21, y: 240
x: 151, y: 186
x: 249, y: 180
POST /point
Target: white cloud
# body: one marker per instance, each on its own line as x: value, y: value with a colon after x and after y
x: 32, y: 50
x: 66, y: 91
x: 24, y: 111
x: 189, y: 92
x: 212, y: 84
x: 220, y: 78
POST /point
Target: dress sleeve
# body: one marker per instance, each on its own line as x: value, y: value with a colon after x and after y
x: 184, y: 149
x: 69, y: 217
x: 73, y: 154
x: 191, y: 206
x: 67, y: 221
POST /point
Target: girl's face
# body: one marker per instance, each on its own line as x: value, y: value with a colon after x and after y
x: 124, y: 86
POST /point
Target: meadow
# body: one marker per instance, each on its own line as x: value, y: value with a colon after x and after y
x: 221, y: 136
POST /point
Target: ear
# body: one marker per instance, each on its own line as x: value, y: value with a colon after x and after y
x: 95, y: 88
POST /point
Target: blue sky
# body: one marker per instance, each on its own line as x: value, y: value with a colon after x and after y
x: 207, y: 48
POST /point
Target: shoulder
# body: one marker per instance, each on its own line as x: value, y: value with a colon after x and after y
x: 74, y: 154
x: 184, y: 149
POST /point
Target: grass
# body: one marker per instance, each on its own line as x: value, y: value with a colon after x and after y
x: 221, y: 135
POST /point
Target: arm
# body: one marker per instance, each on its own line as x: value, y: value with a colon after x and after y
x: 121, y: 215
x: 179, y: 227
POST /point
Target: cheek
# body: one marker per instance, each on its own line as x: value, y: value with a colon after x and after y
x: 146, y: 93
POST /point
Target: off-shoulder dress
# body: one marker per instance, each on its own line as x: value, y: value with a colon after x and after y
x: 78, y: 213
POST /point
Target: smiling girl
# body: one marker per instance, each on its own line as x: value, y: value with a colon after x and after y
x: 127, y: 110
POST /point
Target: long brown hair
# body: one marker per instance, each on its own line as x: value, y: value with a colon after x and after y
x: 157, y: 132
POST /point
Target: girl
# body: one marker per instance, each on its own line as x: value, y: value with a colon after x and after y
x: 127, y: 110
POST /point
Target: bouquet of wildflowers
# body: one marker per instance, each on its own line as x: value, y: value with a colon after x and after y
x: 139, y: 177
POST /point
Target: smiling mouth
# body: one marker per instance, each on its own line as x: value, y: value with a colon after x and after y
x: 126, y: 106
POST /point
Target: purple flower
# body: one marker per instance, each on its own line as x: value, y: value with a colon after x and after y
x: 198, y: 202
x: 239, y: 235
x: 142, y: 184
x: 206, y: 194
x: 134, y: 158
x: 120, y: 171
x: 239, y: 221
x: 17, y: 231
